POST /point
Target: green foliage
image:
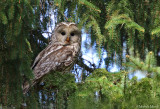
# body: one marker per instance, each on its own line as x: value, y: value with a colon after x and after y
x: 147, y: 88
x: 149, y: 64
x: 100, y: 87
x: 89, y: 5
x: 140, y: 93
x: 59, y: 87
x: 16, y: 22
x: 67, y: 82
x: 122, y: 19
x: 155, y: 31
x: 3, y: 18
x: 100, y: 91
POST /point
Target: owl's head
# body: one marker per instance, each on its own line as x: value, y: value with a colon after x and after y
x: 66, y: 33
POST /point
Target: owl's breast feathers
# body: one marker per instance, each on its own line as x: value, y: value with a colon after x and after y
x: 55, y: 57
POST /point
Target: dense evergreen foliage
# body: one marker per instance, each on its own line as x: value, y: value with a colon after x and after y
x: 128, y: 30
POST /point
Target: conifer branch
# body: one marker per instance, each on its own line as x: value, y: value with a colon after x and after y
x: 89, y: 5
x: 81, y: 63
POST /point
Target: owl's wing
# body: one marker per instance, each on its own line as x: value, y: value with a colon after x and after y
x: 38, y: 58
x: 55, y: 58
x: 40, y: 55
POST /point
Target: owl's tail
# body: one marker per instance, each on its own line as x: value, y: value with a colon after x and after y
x: 26, y: 87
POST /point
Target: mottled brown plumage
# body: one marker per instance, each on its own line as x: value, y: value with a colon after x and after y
x: 59, y: 55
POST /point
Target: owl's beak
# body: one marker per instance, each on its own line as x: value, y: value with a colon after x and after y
x: 68, y: 39
x: 67, y: 42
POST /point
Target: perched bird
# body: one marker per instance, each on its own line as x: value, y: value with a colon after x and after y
x: 60, y: 55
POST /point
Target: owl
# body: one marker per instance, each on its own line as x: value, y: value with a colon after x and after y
x: 60, y: 55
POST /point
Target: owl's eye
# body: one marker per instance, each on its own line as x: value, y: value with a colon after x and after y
x: 63, y: 33
x: 72, y: 34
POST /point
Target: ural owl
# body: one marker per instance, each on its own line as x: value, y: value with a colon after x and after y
x: 59, y: 55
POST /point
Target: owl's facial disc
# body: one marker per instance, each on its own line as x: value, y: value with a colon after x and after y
x: 67, y: 34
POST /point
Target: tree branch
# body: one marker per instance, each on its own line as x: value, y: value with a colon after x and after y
x: 81, y: 63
